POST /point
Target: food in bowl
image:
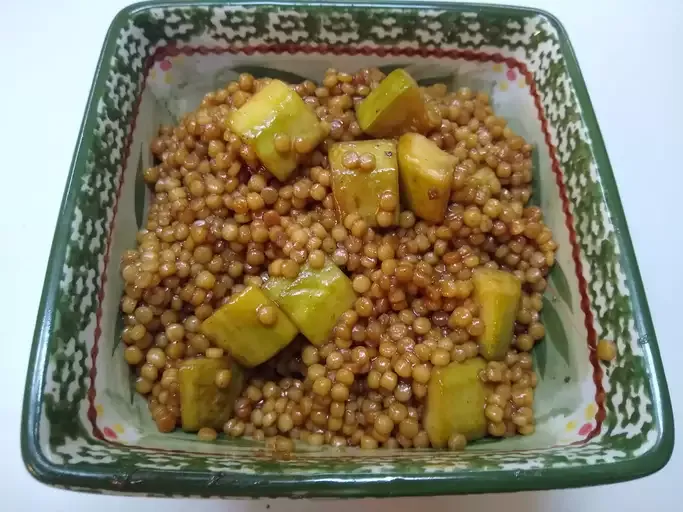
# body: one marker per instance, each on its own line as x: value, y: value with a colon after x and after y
x: 351, y: 263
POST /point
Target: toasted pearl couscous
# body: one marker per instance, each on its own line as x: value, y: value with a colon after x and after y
x: 350, y: 263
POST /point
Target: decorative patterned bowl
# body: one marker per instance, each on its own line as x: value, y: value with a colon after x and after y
x: 84, y: 428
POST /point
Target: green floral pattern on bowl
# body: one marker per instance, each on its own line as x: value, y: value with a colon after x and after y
x: 85, y: 428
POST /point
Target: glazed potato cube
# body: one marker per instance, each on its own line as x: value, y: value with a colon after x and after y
x: 394, y: 107
x: 363, y: 173
x: 277, y: 112
x: 238, y: 327
x: 202, y: 402
x: 456, y: 399
x: 314, y: 300
x: 498, y: 295
x: 426, y: 173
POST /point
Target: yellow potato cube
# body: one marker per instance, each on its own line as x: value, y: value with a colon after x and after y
x: 396, y: 106
x: 236, y: 328
x: 426, y: 174
x: 498, y: 294
x: 276, y: 110
x: 358, y: 186
x: 202, y: 402
x: 314, y: 300
x: 456, y: 399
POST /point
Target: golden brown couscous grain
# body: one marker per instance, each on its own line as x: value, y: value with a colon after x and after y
x: 207, y: 434
x: 607, y: 350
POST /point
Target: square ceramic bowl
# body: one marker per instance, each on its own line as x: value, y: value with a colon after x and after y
x: 84, y: 427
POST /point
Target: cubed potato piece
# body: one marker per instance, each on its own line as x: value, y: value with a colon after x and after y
x: 314, y: 300
x: 498, y: 295
x: 456, y: 399
x: 394, y: 107
x: 426, y: 174
x: 202, y: 402
x: 357, y: 189
x: 277, y: 110
x: 237, y: 329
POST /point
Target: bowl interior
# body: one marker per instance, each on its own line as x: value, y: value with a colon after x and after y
x: 565, y: 405
x: 158, y: 64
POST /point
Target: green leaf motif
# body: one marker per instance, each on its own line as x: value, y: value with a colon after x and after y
x: 554, y: 329
x: 431, y: 80
x: 388, y: 68
x: 131, y: 386
x: 165, y: 110
x: 118, y: 330
x: 265, y: 72
x: 536, y: 197
x: 553, y: 413
x: 487, y: 440
x: 558, y: 280
x: 540, y: 356
x: 140, y: 193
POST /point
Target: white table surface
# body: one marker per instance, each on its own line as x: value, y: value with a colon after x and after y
x: 629, y: 52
